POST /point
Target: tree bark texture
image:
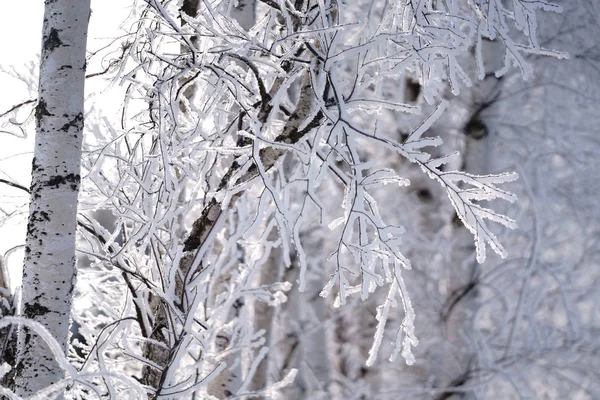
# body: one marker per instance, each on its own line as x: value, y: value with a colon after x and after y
x: 49, y: 271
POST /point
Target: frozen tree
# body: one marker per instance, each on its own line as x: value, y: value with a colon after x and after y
x: 49, y: 271
x: 530, y: 302
x: 260, y: 149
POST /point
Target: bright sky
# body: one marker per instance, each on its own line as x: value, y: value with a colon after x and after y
x: 20, y: 33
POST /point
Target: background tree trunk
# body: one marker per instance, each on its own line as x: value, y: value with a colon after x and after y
x: 49, y: 270
x: 6, y: 309
x: 227, y: 383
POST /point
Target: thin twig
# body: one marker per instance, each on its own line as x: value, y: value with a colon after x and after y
x: 13, y: 108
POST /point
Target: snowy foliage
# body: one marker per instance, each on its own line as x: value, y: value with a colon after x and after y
x: 239, y: 145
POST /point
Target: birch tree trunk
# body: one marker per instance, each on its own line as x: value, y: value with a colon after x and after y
x: 157, y: 350
x: 6, y: 309
x: 49, y: 271
x: 463, y: 276
x: 227, y: 383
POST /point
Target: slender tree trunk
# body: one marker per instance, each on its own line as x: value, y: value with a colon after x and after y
x: 306, y: 338
x: 49, y: 270
x: 463, y: 276
x: 6, y: 309
x: 228, y: 382
x: 271, y: 271
x: 157, y: 350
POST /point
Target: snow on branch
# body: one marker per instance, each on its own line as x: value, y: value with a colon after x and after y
x: 479, y: 188
x: 231, y: 136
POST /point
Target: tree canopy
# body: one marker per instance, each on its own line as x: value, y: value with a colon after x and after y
x: 293, y: 192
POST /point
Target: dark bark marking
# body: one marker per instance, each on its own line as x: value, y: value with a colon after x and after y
x: 56, y: 180
x: 41, y: 110
x: 34, y: 218
x: 35, y: 309
x: 476, y: 129
x: 412, y: 90
x: 52, y: 40
x: 424, y: 195
x: 200, y: 227
x: 190, y: 7
x: 76, y: 123
x: 294, y: 135
x: 34, y: 165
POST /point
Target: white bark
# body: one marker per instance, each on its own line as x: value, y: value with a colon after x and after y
x: 229, y: 381
x: 49, y: 270
x: 463, y: 274
x: 264, y: 314
x: 6, y: 310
